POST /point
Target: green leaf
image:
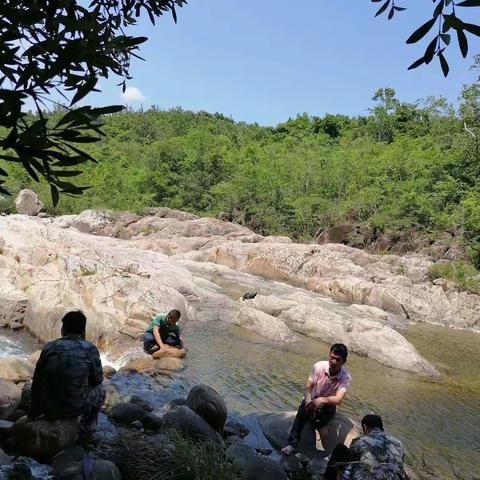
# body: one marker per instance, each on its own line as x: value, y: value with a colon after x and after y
x: 469, y: 3
x: 462, y: 42
x: 416, y: 64
x: 107, y: 110
x: 446, y: 38
x: 383, y: 8
x: 430, y: 51
x: 70, y: 161
x: 55, y: 196
x: 470, y: 27
x: 421, y: 32
x: 84, y: 90
x: 30, y: 170
x: 438, y: 9
x: 443, y: 64
x: 66, y: 173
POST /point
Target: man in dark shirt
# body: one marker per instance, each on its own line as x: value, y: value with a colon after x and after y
x: 67, y: 382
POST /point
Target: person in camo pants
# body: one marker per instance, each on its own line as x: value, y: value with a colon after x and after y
x: 68, y: 377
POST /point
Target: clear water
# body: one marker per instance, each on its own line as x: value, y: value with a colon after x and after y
x: 16, y: 344
x: 438, y: 419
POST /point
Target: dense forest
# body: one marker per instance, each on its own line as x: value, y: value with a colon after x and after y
x: 402, y: 166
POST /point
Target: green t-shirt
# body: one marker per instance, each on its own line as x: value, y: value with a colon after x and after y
x: 160, y: 321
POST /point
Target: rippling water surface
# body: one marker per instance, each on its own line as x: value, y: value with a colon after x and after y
x: 436, y: 418
x: 15, y: 343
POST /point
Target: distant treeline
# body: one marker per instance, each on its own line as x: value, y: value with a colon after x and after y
x: 401, y: 166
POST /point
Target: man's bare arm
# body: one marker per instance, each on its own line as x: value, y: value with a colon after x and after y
x: 308, y: 391
x: 158, y: 338
x: 336, y: 399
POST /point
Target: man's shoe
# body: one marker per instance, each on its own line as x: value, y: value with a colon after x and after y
x: 288, y: 450
x: 153, y: 349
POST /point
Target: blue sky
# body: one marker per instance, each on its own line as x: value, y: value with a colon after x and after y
x: 266, y: 60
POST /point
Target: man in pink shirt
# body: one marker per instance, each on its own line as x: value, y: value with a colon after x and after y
x: 325, y: 390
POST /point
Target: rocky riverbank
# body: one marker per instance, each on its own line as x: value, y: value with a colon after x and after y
x: 194, y: 437
x: 120, y: 269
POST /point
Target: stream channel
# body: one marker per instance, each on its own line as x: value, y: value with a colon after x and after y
x: 437, y: 419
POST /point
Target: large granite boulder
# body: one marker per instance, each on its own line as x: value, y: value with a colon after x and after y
x: 276, y: 427
x: 16, y: 369
x: 208, y: 403
x: 42, y: 439
x: 187, y: 422
x: 28, y: 203
x: 150, y: 366
x: 9, y: 392
x: 74, y: 464
x: 170, y: 352
x: 13, y: 304
x: 253, y: 466
x: 121, y: 284
x: 395, y: 284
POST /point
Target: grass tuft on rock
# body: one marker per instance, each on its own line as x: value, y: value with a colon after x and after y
x: 169, y: 456
x: 462, y: 274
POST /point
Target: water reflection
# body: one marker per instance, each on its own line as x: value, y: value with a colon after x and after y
x: 435, y: 417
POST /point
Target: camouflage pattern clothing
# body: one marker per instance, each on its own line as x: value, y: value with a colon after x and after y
x: 381, y: 458
x: 68, y: 380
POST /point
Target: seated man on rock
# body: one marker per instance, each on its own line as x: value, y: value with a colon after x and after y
x: 376, y: 456
x: 163, y: 332
x: 325, y: 390
x: 68, y: 377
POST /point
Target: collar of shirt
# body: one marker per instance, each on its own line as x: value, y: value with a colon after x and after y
x: 331, y: 377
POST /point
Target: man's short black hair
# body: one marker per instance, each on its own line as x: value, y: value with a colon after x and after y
x: 74, y: 322
x: 372, y: 421
x: 175, y: 313
x: 339, y: 349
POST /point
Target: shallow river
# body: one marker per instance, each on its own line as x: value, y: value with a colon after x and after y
x: 438, y: 419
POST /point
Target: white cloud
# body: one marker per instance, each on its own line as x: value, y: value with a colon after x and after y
x: 132, y: 95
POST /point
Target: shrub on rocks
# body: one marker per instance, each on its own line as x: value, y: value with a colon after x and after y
x: 207, y: 403
x: 173, y: 456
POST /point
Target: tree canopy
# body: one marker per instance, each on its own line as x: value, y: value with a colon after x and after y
x: 404, y: 169
x: 62, y: 46
x: 65, y: 46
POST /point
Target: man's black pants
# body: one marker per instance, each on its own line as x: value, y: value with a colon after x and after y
x: 323, y: 415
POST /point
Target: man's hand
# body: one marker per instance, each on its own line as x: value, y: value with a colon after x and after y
x: 314, y: 405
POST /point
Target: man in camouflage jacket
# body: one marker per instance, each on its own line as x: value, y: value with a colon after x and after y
x: 379, y: 456
x: 67, y: 382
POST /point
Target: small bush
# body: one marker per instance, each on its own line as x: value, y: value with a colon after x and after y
x: 463, y: 274
x: 175, y: 458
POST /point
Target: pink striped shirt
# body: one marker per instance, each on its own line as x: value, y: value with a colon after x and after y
x: 323, y: 384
